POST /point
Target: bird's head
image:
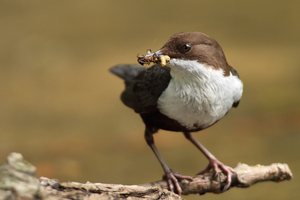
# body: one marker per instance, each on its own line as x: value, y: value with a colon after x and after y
x: 185, y: 49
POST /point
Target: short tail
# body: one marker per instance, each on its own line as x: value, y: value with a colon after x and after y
x: 126, y: 71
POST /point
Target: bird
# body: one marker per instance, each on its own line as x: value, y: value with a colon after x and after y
x: 189, y: 88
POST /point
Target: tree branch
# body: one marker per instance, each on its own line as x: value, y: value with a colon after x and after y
x: 18, y: 181
x: 245, y: 176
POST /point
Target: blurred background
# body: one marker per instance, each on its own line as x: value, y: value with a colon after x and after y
x: 60, y: 107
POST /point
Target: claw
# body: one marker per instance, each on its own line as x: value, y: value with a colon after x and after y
x: 182, y: 177
x: 173, y: 181
x: 218, y: 167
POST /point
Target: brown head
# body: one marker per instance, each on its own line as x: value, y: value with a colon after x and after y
x: 194, y: 46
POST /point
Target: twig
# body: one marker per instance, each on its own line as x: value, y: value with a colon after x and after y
x: 18, y: 181
x: 245, y: 176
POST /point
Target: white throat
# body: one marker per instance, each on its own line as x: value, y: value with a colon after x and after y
x: 198, y: 95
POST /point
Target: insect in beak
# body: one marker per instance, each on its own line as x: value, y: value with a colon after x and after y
x: 153, y: 57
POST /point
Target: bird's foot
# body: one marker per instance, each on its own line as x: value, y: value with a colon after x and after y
x: 173, y: 179
x: 218, y: 168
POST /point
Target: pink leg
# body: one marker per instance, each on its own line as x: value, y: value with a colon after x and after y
x: 214, y: 163
x: 171, y: 177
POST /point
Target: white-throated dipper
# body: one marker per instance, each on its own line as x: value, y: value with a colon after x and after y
x: 190, y: 88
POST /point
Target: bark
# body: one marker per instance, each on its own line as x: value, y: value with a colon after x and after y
x: 18, y: 181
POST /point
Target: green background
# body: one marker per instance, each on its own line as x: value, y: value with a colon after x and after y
x: 60, y: 107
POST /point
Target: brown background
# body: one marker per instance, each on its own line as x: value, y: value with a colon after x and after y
x: 60, y: 107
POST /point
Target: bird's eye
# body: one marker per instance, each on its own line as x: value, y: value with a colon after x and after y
x: 184, y: 48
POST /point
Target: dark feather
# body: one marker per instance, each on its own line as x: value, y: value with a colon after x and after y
x: 127, y: 72
x: 234, y: 72
x: 143, y: 86
x: 236, y: 104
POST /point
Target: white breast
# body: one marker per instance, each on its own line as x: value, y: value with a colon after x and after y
x: 198, y: 95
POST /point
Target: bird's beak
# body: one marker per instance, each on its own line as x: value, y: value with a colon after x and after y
x: 154, y: 57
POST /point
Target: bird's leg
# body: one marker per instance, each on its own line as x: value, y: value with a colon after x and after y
x: 214, y: 163
x: 170, y: 176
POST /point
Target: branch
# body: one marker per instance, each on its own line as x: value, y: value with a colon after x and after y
x: 245, y: 177
x: 18, y: 181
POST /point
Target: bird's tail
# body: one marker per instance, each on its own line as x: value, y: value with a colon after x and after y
x: 126, y: 71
